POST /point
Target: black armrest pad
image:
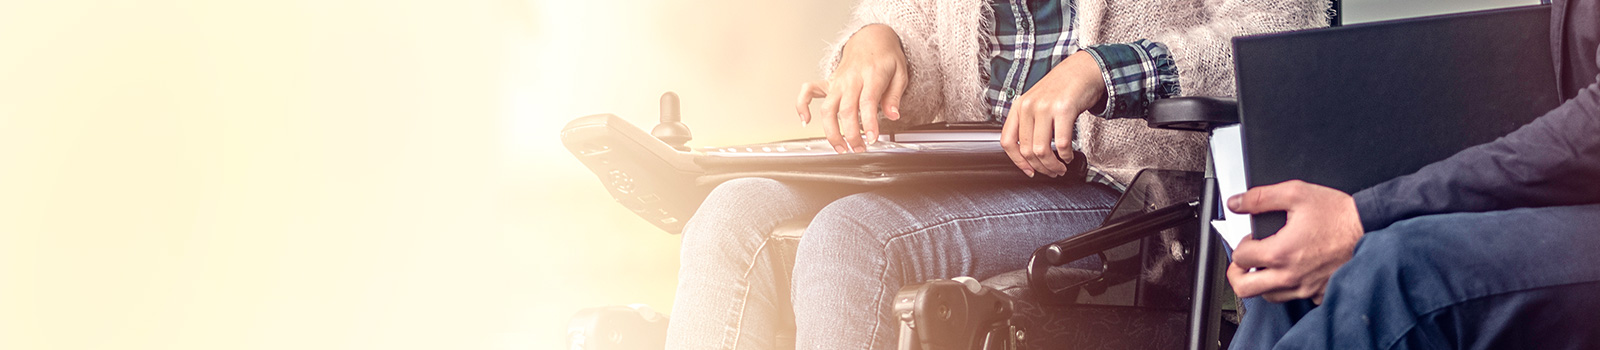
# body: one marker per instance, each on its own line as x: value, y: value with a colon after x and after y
x: 1195, y: 113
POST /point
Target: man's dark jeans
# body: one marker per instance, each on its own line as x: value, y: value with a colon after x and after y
x: 1516, y: 279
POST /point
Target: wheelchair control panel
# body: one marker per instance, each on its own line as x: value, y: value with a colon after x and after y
x: 661, y: 179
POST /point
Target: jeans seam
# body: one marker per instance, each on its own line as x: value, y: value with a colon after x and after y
x: 884, y: 271
x: 744, y: 297
x: 983, y: 215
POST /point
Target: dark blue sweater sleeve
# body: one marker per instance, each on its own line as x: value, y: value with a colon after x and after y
x: 1555, y: 160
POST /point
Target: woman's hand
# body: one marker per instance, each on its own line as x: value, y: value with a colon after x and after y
x: 872, y: 75
x: 1049, y: 112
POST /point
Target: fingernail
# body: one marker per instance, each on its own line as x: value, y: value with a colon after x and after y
x: 837, y: 149
x: 1028, y: 171
x: 872, y: 137
x: 1233, y: 202
x: 894, y: 113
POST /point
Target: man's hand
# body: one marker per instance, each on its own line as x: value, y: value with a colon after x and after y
x: 872, y: 73
x: 1048, y: 111
x: 1295, y: 263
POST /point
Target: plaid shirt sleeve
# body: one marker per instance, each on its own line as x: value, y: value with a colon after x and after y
x: 1135, y: 74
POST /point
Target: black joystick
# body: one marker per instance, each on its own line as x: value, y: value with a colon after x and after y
x: 672, y: 130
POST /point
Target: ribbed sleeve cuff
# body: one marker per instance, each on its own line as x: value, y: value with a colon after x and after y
x: 1135, y: 74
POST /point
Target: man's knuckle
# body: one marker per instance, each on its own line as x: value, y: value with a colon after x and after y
x: 1283, y: 280
x: 1294, y: 193
x: 1270, y: 257
x: 1254, y: 198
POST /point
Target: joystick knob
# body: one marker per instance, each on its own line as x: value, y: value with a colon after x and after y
x: 672, y: 130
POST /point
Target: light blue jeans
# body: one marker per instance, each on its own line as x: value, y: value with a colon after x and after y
x: 736, y: 289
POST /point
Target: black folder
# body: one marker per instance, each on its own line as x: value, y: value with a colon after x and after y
x: 1350, y: 107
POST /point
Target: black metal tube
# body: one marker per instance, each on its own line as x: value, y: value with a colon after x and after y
x: 1203, y: 318
x: 1110, y: 236
x: 1106, y: 237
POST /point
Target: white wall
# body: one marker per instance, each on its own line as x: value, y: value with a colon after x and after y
x: 354, y: 174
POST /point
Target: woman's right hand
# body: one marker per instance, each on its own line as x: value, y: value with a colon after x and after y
x: 871, y: 76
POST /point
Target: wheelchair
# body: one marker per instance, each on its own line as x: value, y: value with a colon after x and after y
x: 1155, y: 270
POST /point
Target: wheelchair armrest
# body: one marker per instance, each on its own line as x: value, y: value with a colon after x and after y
x: 1193, y: 113
x: 1098, y: 240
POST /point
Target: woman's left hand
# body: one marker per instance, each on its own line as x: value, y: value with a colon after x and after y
x: 1048, y: 112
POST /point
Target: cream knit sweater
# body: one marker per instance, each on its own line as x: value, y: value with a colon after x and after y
x: 946, y: 43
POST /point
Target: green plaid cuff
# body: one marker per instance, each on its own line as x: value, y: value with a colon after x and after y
x: 1135, y: 74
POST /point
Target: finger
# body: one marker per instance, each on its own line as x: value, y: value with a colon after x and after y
x: 1289, y: 294
x: 897, y: 88
x: 830, y: 122
x: 850, y: 116
x: 872, y: 91
x: 1044, y: 131
x: 1025, y: 138
x: 1275, y: 197
x: 1064, y: 127
x: 1008, y: 141
x: 802, y: 103
x: 1260, y: 282
x: 1235, y: 275
x: 1252, y: 253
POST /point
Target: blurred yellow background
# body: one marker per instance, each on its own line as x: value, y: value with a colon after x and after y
x: 353, y: 174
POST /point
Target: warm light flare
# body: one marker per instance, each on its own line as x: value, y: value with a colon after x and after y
x: 352, y: 175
